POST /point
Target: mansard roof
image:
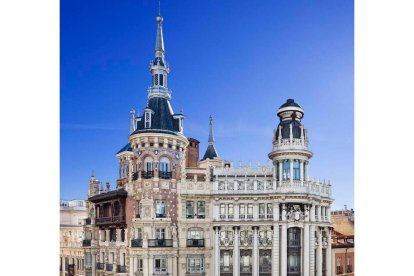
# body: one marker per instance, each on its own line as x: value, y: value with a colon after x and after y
x: 127, y: 147
x: 162, y: 120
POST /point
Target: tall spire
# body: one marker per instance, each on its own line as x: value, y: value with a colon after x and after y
x: 211, y: 152
x: 159, y: 41
x: 210, y: 135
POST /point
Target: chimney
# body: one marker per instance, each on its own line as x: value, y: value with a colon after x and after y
x: 192, y: 153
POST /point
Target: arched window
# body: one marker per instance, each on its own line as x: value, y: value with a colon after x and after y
x: 165, y: 168
x: 296, y: 170
x: 148, y: 167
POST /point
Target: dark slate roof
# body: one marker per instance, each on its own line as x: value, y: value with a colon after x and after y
x: 210, y: 152
x: 290, y: 102
x: 286, y: 129
x: 108, y: 195
x: 127, y: 147
x: 162, y: 120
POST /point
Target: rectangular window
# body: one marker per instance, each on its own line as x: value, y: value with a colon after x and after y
x: 160, y: 209
x: 296, y: 169
x: 138, y: 233
x: 222, y: 211
x: 242, y: 212
x: 195, y: 264
x: 230, y: 211
x: 250, y: 210
x: 160, y: 265
x: 261, y: 210
x: 161, y: 79
x: 286, y: 169
x: 140, y: 266
x: 269, y: 210
x: 201, y: 209
x: 190, y: 209
x: 160, y: 233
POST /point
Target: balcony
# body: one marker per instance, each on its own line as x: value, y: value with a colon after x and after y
x: 339, y: 270
x: 136, y: 243
x: 109, y: 267
x: 222, y: 216
x: 160, y: 215
x: 110, y: 220
x: 165, y: 175
x: 100, y: 266
x: 195, y: 243
x: 226, y: 268
x: 135, y: 175
x: 348, y: 268
x: 249, y: 216
x: 147, y: 174
x: 121, y: 269
x: 86, y: 243
x: 246, y: 269
x: 160, y: 243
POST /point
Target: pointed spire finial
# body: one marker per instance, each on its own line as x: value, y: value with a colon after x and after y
x: 132, y: 126
x: 210, y: 135
x: 93, y: 173
x: 159, y: 7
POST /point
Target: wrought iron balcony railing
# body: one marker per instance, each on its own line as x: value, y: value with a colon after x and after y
x: 160, y: 215
x: 100, y: 266
x: 121, y: 269
x: 136, y: 243
x: 147, y: 174
x: 339, y: 270
x: 165, y: 175
x: 109, y: 267
x: 86, y: 243
x: 109, y: 220
x: 160, y: 243
x: 348, y: 268
x: 195, y: 243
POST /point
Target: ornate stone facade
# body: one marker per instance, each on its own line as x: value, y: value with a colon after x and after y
x: 173, y: 216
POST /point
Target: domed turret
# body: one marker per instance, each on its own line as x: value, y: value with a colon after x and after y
x: 290, y: 114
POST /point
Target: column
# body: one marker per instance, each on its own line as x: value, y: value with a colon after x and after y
x: 131, y: 266
x: 319, y: 213
x: 312, y: 250
x: 93, y: 262
x: 283, y: 251
x: 107, y: 236
x: 328, y: 211
x: 145, y: 266
x: 63, y: 265
x: 319, y: 254
x: 306, y: 250
x: 175, y: 265
x: 280, y: 172
x: 328, y: 253
x: 275, y: 250
x: 301, y: 171
x: 276, y: 214
x: 217, y: 251
x: 118, y: 234
x: 312, y: 213
x: 236, y: 252
x: 291, y: 171
x: 255, y: 252
x: 255, y: 211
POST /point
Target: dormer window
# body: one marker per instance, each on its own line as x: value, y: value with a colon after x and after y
x: 148, y: 115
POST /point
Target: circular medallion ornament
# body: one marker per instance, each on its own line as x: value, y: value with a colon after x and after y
x: 155, y: 152
x: 139, y: 152
x: 177, y: 155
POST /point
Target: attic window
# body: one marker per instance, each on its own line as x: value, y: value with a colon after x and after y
x: 147, y: 119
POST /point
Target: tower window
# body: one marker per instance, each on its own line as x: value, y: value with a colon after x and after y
x: 161, y: 79
x: 286, y: 169
x: 156, y: 79
x: 147, y: 119
x: 296, y: 170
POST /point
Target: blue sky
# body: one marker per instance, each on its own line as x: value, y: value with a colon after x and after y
x: 237, y: 60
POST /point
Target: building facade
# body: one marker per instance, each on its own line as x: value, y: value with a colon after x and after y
x: 72, y: 218
x: 343, y: 242
x: 172, y: 213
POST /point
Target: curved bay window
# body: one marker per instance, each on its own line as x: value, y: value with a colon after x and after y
x: 294, y: 251
x: 148, y: 168
x: 296, y: 170
x: 165, y: 168
x: 286, y: 170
